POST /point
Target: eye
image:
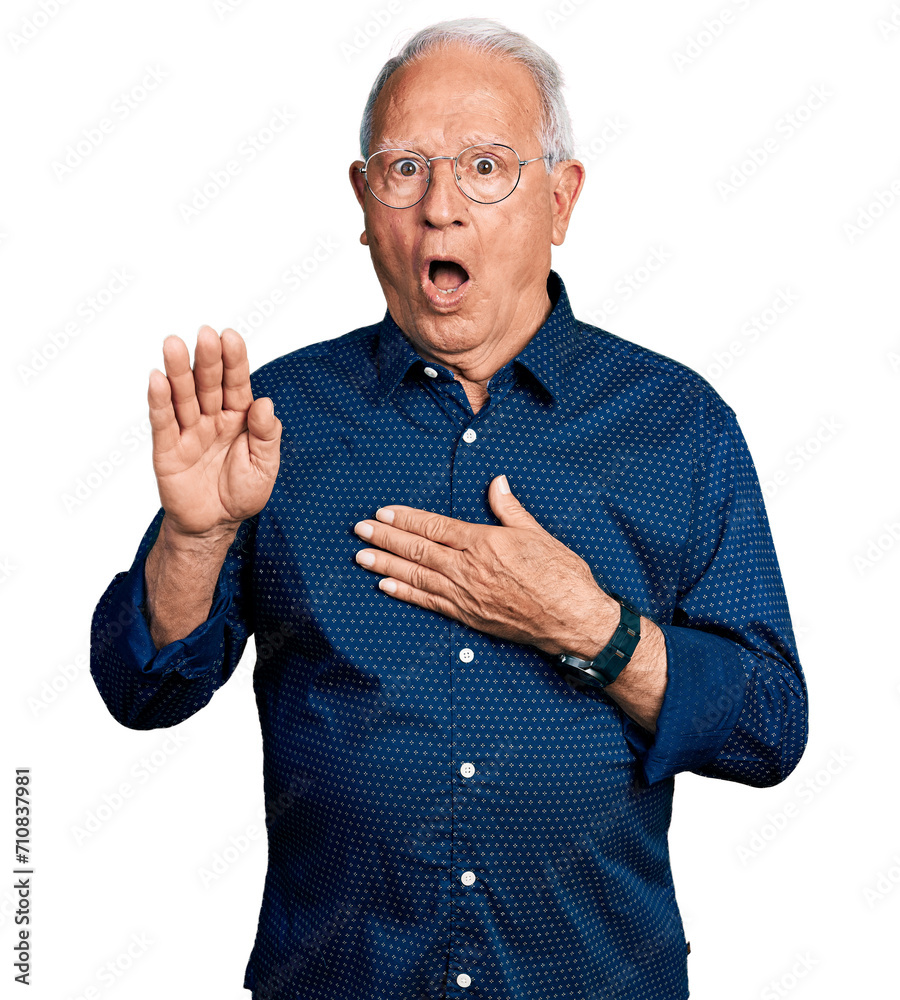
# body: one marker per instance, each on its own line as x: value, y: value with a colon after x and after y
x: 484, y: 166
x: 406, y: 168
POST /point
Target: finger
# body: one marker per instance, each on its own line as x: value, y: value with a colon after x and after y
x: 163, y: 424
x: 414, y: 548
x: 436, y: 527
x: 208, y: 370
x: 413, y: 595
x: 264, y: 435
x: 181, y: 381
x: 236, y: 391
x: 415, y: 576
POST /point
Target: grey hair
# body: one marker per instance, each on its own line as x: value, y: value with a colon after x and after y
x: 486, y: 35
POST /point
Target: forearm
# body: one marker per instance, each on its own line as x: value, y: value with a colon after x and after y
x: 180, y: 575
x: 640, y: 687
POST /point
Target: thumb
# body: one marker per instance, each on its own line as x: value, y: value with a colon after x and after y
x: 508, y: 510
x: 264, y: 438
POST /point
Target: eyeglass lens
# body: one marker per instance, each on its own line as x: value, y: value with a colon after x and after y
x: 485, y: 173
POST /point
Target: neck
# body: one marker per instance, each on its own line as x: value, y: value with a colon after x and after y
x: 476, y: 392
x: 476, y: 367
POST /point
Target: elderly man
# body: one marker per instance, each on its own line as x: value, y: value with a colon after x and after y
x: 567, y: 591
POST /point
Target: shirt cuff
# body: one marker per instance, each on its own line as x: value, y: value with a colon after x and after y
x: 128, y: 631
x: 704, y: 695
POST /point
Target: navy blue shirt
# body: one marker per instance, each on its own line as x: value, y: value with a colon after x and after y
x: 453, y: 818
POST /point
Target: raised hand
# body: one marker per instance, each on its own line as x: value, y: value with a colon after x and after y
x: 216, y: 450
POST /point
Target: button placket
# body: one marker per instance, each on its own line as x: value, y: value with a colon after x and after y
x: 468, y: 480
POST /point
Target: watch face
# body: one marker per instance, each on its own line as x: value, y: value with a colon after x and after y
x: 577, y: 680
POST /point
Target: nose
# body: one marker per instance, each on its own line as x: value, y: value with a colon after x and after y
x: 444, y: 204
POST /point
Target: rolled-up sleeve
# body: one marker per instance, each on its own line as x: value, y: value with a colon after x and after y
x: 146, y: 688
x: 735, y: 704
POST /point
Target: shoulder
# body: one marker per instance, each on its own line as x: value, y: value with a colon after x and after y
x: 665, y: 380
x: 347, y: 359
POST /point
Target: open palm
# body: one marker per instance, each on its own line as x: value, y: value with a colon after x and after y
x: 216, y: 450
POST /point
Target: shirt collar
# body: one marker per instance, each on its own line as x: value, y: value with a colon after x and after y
x: 547, y: 356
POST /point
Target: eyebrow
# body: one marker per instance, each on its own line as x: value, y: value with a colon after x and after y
x: 471, y: 139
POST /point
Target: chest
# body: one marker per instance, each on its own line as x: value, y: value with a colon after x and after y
x: 595, y: 480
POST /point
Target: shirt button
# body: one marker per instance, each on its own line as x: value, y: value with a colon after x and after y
x: 467, y: 770
x: 467, y: 878
x: 463, y: 980
x: 469, y: 436
x: 430, y: 372
x: 466, y: 655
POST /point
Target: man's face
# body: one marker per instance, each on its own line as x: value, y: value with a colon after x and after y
x: 436, y: 106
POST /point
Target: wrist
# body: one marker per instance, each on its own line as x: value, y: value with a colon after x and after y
x: 587, y: 631
x: 604, y: 667
x: 222, y: 535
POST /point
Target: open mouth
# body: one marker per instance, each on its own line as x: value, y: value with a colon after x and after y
x: 447, y: 276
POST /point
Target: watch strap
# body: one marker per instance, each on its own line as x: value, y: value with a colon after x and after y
x: 613, y: 658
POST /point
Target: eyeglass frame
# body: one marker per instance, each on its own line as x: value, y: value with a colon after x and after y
x: 430, y: 159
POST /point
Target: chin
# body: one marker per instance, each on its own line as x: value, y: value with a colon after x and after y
x: 448, y: 334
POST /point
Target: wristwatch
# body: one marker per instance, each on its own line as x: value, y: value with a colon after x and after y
x: 612, y: 659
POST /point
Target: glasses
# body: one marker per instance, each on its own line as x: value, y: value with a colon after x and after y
x: 486, y: 173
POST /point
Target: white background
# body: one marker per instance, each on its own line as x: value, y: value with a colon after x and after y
x: 795, y: 885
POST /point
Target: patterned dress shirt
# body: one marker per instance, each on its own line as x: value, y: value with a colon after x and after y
x: 453, y: 818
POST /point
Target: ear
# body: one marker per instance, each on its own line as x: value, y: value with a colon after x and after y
x: 568, y: 179
x: 358, y: 182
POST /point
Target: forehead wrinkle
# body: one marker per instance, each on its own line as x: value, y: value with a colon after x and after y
x: 432, y: 109
x: 420, y: 142
x: 415, y: 144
